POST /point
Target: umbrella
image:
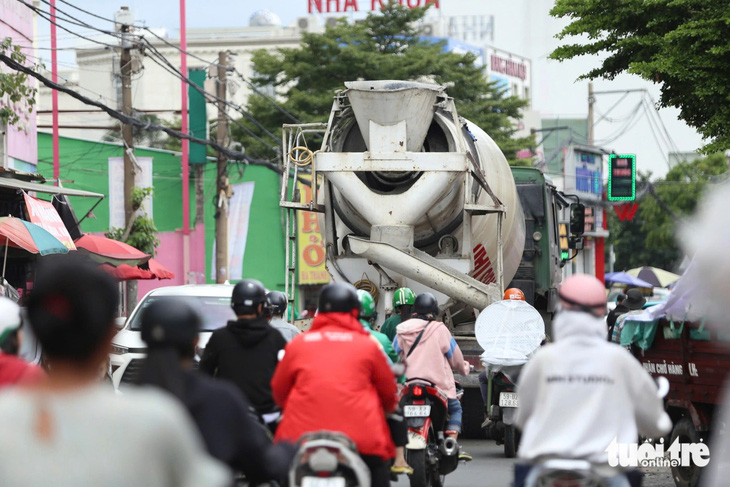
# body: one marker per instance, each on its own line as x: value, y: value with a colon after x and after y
x: 657, y: 277
x: 159, y: 270
x: 624, y: 278
x: 124, y: 272
x: 29, y: 237
x: 107, y: 251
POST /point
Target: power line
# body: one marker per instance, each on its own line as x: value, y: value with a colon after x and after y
x: 231, y: 154
x: 267, y: 97
x: 43, y: 15
x: 243, y: 127
x: 200, y: 90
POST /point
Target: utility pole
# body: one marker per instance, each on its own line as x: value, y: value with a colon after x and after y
x: 591, y: 101
x: 126, y: 77
x: 222, y: 189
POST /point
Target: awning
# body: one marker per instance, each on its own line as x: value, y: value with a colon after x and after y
x: 45, y: 188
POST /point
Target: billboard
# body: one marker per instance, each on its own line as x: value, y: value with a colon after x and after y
x: 621, y: 177
x: 583, y: 172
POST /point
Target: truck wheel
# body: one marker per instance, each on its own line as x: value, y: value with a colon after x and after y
x: 510, y: 441
x: 473, y: 415
x: 686, y: 432
x: 421, y: 476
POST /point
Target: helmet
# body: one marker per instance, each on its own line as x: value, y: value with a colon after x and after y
x: 170, y: 322
x: 585, y: 293
x: 403, y: 296
x: 338, y: 298
x: 367, y: 303
x: 246, y: 297
x: 426, y: 304
x: 277, y: 302
x: 514, y: 294
x: 9, y: 318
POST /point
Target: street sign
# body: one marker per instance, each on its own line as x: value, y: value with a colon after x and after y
x: 621, y: 177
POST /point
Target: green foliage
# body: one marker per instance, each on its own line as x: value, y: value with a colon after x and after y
x: 681, y: 44
x: 14, y: 86
x: 143, y: 232
x: 385, y: 45
x: 649, y: 239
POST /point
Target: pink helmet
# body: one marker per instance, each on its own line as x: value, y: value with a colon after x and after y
x: 583, y: 292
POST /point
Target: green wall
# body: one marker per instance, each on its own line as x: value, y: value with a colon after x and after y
x: 86, y: 164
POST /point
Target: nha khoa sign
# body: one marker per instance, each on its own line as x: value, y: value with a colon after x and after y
x: 342, y: 6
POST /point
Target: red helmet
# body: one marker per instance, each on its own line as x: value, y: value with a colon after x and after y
x: 583, y: 292
x: 514, y: 294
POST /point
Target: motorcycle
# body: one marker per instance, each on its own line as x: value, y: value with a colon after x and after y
x: 558, y: 472
x: 429, y: 452
x: 503, y: 410
x: 328, y: 459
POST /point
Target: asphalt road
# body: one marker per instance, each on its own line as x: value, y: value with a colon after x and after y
x: 491, y: 469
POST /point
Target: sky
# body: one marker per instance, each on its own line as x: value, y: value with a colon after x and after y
x: 523, y: 27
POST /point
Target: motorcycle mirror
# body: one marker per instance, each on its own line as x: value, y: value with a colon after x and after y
x: 663, y: 386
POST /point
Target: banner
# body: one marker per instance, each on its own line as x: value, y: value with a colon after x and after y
x: 142, y: 179
x: 43, y: 214
x: 311, y: 251
x: 239, y: 210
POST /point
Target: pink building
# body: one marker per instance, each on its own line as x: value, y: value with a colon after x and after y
x: 18, y: 143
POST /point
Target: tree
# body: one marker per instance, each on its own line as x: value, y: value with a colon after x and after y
x: 649, y: 239
x: 680, y: 44
x: 14, y: 86
x: 385, y: 45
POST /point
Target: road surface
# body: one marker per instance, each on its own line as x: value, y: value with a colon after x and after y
x: 491, y: 469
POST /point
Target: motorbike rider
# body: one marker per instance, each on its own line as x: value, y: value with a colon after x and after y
x: 511, y: 294
x: 403, y: 300
x: 434, y: 356
x: 334, y: 377
x: 246, y: 351
x: 13, y: 369
x: 580, y: 393
x: 398, y: 428
x: 231, y: 433
x: 277, y: 304
x: 70, y: 430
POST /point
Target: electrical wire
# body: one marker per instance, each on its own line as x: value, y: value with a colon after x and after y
x: 42, y: 14
x: 267, y: 97
x: 225, y: 113
x: 229, y: 153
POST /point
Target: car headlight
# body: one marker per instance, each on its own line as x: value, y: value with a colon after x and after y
x: 117, y: 350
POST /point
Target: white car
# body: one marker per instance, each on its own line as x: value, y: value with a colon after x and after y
x: 213, y: 302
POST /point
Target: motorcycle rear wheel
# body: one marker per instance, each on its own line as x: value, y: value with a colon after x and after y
x: 421, y: 476
x: 510, y: 441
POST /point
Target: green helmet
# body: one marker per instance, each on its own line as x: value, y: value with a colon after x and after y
x: 367, y: 303
x: 403, y: 296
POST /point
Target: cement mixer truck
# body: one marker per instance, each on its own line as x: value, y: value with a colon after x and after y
x: 407, y: 193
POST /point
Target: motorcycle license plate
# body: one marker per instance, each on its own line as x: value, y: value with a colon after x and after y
x: 416, y: 411
x: 323, y: 482
x: 508, y: 400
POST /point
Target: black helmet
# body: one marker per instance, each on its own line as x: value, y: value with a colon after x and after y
x: 277, y: 302
x: 426, y: 304
x: 338, y: 298
x: 246, y: 297
x: 170, y: 322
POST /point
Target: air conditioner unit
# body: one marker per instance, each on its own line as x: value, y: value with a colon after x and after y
x: 303, y: 23
x: 427, y: 30
x: 331, y: 21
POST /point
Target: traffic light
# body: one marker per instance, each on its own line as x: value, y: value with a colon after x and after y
x: 621, y: 177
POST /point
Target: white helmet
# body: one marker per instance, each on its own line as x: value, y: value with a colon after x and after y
x: 9, y: 318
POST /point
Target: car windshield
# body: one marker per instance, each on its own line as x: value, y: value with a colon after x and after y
x: 214, y: 310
